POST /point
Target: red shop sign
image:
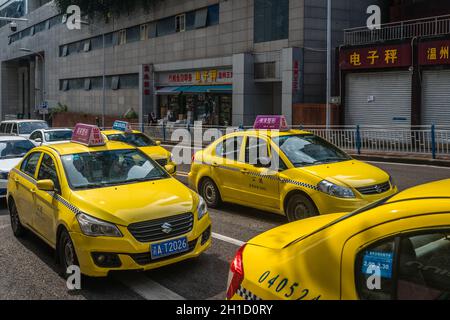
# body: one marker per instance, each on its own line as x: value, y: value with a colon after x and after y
x: 434, y: 52
x: 392, y: 56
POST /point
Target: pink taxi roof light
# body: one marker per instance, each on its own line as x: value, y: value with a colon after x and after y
x: 88, y: 135
x: 271, y: 122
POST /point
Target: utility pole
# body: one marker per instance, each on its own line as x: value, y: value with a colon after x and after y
x: 328, y: 120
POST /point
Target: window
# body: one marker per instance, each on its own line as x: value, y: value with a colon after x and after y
x: 200, y: 18
x: 115, y: 82
x: 47, y: 171
x: 87, y: 84
x: 378, y: 256
x: 9, y: 128
x: 180, y: 23
x: 64, y: 85
x: 14, y: 129
x: 129, y: 81
x: 76, y: 84
x: 29, y: 165
x: 132, y: 35
x: 255, y: 149
x: 97, y: 83
x: 166, y: 26
x: 410, y: 267
x: 152, y: 31
x: 121, y: 37
x: 87, y: 46
x: 213, y: 15
x: 144, y: 32
x: 230, y: 148
x: 36, y: 135
x: 29, y: 127
x: 3, y: 128
x: 64, y: 51
x: 14, y: 149
x: 190, y: 20
x: 271, y: 20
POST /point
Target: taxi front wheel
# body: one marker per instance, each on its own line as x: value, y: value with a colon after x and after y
x: 66, y: 253
x: 299, y: 207
x: 210, y: 192
x: 16, y: 225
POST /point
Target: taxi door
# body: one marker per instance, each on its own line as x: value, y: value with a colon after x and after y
x: 226, y: 167
x: 407, y: 253
x: 260, y: 183
x: 46, y: 204
x: 25, y: 184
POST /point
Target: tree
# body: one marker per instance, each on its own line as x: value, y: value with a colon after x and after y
x: 106, y: 8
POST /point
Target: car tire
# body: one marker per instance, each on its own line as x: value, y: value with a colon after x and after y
x: 16, y: 226
x: 66, y: 253
x: 210, y: 192
x: 300, y: 207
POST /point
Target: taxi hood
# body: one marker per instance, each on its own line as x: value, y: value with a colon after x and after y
x: 353, y: 173
x: 137, y: 202
x: 282, y: 236
x: 156, y: 152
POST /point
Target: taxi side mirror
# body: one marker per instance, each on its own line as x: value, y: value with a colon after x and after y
x: 45, y: 185
x: 158, y: 143
x: 170, y: 168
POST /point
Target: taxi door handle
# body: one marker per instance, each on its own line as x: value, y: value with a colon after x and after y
x: 16, y: 180
x: 244, y: 170
x: 215, y: 164
x: 33, y: 190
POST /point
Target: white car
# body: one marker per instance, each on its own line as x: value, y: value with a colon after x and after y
x: 12, y: 150
x: 45, y: 137
x: 22, y: 128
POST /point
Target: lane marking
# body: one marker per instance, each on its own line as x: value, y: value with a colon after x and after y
x: 409, y: 165
x: 228, y: 239
x: 147, y: 288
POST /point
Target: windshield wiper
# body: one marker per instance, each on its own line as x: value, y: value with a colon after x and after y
x: 90, y: 186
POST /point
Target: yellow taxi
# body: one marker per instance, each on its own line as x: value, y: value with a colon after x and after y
x: 106, y: 206
x: 122, y: 131
x: 397, y: 248
x: 288, y: 172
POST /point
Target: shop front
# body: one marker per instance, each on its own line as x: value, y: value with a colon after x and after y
x: 198, y: 95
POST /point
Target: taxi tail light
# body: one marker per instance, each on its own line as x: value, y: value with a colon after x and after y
x: 236, y: 273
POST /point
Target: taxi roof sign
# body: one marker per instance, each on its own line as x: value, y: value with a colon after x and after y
x: 271, y: 122
x: 122, y: 126
x: 88, y: 135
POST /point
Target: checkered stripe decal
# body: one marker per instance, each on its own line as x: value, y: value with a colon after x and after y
x: 273, y: 177
x: 247, y: 295
x: 68, y: 205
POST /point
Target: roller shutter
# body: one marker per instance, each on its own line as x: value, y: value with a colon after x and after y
x: 436, y: 98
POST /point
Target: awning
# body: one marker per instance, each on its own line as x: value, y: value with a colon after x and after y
x: 196, y: 89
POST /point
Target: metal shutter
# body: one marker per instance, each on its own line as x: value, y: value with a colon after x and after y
x: 378, y: 98
x: 436, y: 98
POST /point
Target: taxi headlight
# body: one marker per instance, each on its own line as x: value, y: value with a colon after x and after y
x: 335, y: 190
x: 93, y: 227
x: 202, y: 208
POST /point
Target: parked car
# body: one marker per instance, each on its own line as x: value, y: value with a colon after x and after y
x: 12, y: 150
x: 22, y: 128
x: 45, y: 137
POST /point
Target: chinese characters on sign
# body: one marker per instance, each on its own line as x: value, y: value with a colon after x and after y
x: 376, y: 57
x: 198, y: 77
x: 295, y: 77
x: 270, y: 123
x: 434, y: 53
x: 88, y: 135
x: 146, y: 81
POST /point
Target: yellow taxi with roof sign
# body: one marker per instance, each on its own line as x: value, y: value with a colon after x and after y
x: 289, y: 172
x: 106, y: 206
x: 122, y: 131
x: 397, y: 248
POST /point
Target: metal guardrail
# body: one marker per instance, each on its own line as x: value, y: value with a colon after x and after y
x: 398, y: 30
x: 425, y: 141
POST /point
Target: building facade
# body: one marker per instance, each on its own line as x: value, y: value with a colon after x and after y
x: 221, y: 62
x: 398, y: 75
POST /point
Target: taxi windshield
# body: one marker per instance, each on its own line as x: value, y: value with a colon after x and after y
x: 60, y: 135
x: 110, y: 168
x: 14, y: 149
x: 307, y: 150
x: 137, y: 140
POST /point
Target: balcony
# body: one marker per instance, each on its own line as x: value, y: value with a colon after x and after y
x: 426, y: 27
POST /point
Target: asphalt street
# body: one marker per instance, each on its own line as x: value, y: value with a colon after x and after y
x: 28, y: 270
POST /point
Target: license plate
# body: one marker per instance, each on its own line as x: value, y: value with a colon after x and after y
x: 168, y: 248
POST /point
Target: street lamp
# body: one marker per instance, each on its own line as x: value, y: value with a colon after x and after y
x: 43, y: 93
x: 104, y: 72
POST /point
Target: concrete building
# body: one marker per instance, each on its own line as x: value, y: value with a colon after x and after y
x: 223, y: 62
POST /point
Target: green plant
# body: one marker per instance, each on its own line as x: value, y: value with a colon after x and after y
x: 130, y: 114
x: 60, y: 108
